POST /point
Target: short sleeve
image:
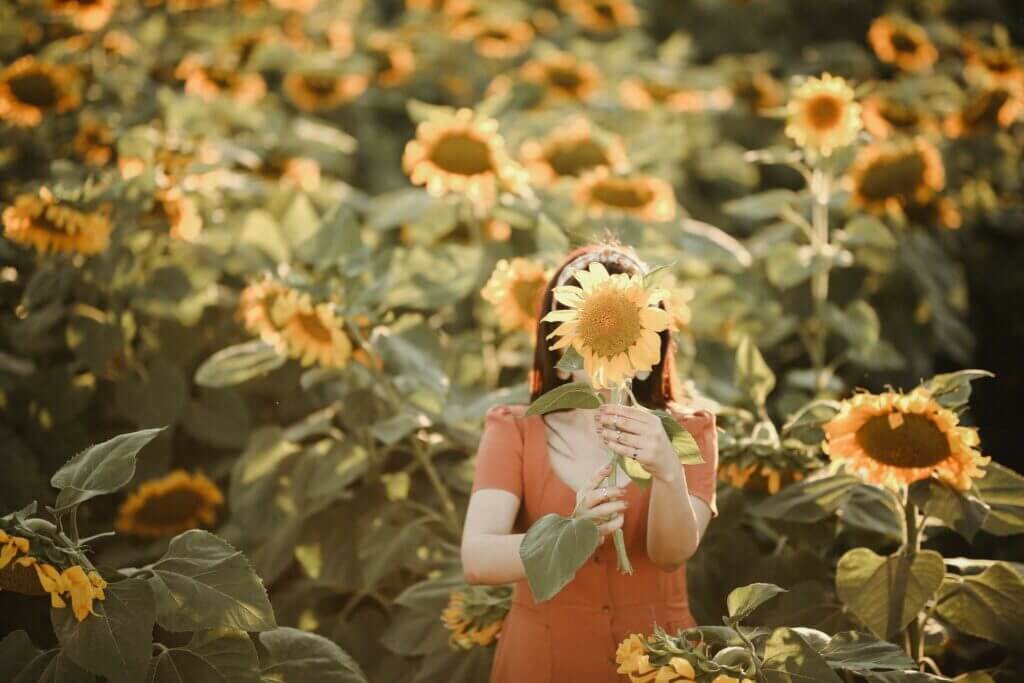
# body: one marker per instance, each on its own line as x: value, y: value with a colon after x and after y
x: 702, y: 478
x: 499, y: 457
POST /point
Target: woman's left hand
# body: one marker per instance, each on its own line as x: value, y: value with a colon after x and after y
x: 638, y: 434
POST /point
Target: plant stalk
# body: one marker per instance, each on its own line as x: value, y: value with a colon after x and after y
x: 625, y: 566
x: 821, y: 189
x: 911, y: 544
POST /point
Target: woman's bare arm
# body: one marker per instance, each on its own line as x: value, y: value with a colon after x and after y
x: 676, y: 522
x: 490, y: 552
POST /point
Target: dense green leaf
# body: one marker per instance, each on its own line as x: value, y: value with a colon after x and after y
x: 887, y: 593
x: 860, y: 652
x: 761, y: 206
x: 392, y: 209
x: 788, y: 658
x: 858, y: 323
x: 810, y: 500
x: 289, y: 655
x: 571, y: 360
x: 953, y: 389
x: 115, y: 641
x: 744, y: 600
x: 553, y: 549
x: 712, y: 245
x: 202, y: 582
x: 681, y: 439
x: 100, y: 469
x: 986, y: 605
x: 239, y: 363
x: 787, y: 264
x: 337, y: 237
x: 61, y: 669
x: 753, y: 376
x: 16, y: 652
x: 218, y: 655
x: 959, y: 510
x: 871, y: 509
x: 1002, y: 490
x: 572, y: 395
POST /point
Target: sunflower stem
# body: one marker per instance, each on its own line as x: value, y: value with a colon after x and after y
x: 821, y: 188
x: 625, y: 566
x: 911, y: 544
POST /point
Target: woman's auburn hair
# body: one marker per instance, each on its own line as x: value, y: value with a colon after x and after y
x: 659, y: 390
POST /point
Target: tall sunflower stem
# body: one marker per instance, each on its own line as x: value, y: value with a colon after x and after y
x: 821, y: 189
x: 625, y: 566
x: 911, y: 545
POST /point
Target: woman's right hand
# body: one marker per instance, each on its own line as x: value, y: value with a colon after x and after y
x: 602, y: 504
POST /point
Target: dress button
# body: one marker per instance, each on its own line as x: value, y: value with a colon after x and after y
x: 606, y: 609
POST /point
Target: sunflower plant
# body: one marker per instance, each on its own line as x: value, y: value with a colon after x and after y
x: 609, y: 327
x: 202, y: 590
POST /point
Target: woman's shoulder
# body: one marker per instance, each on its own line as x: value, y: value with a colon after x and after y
x: 692, y: 410
x: 506, y: 412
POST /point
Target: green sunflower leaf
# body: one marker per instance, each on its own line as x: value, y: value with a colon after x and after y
x: 553, y: 549
x: 572, y: 395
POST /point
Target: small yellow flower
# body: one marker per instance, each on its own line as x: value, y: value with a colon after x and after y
x: 211, y: 81
x: 316, y: 92
x: 515, y: 289
x: 85, y: 15
x: 571, y: 150
x: 30, y: 90
x: 759, y: 91
x: 465, y: 631
x: 48, y: 225
x: 603, y: 193
x: 602, y: 16
x: 495, y: 38
x: 993, y: 67
x: 890, y: 176
x: 563, y: 77
x: 823, y: 115
x: 894, y: 439
x: 902, y: 43
x: 396, y: 485
x: 885, y: 117
x: 644, y: 94
x: 169, y: 505
x: 311, y: 332
x: 462, y: 154
x: 94, y: 141
x: 394, y: 60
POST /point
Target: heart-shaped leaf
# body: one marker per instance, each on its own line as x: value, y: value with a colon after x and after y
x: 682, y: 440
x: 1002, y: 489
x: 290, y: 655
x: 115, y: 641
x: 887, y: 593
x: 572, y: 395
x: 100, y: 469
x: 987, y: 605
x: 859, y: 652
x: 811, y: 500
x: 553, y: 549
x: 570, y: 361
x: 959, y: 510
x: 224, y: 655
x: 788, y: 658
x: 202, y: 582
x: 744, y: 600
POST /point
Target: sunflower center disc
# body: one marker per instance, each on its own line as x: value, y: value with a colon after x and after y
x: 314, y: 327
x: 172, y: 507
x: 462, y: 154
x: 566, y: 79
x: 904, y: 43
x: 918, y: 442
x: 35, y: 89
x: 823, y: 111
x: 526, y: 295
x: 622, y: 194
x: 897, y: 175
x: 609, y: 323
x: 573, y: 159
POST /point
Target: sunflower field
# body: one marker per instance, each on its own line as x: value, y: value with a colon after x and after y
x: 266, y: 265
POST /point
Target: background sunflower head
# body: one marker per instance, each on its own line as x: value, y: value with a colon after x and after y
x: 823, y: 115
x: 902, y: 43
x: 166, y: 506
x: 516, y: 289
x: 603, y: 193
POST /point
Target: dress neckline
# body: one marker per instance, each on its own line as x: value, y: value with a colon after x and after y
x: 540, y: 429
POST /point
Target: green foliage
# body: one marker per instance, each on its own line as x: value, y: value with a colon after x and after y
x: 553, y: 550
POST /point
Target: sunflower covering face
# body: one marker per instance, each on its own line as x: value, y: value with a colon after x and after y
x: 612, y: 321
x: 894, y: 439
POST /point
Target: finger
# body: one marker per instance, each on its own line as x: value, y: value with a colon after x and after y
x: 603, y: 495
x: 618, y: 423
x: 608, y: 510
x: 625, y: 438
x: 599, y: 475
x: 632, y: 452
x: 612, y: 526
x: 629, y: 412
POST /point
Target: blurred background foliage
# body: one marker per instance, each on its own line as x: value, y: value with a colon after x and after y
x: 215, y: 220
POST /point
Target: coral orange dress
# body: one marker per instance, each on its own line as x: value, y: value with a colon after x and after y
x: 573, y: 636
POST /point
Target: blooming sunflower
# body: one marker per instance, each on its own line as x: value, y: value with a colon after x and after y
x: 993, y: 67
x: 902, y: 43
x: 316, y: 92
x: 85, y: 15
x: 889, y: 176
x: 822, y: 114
x: 985, y: 110
x: 515, y: 289
x: 758, y: 90
x: 93, y: 141
x: 570, y: 150
x: 30, y: 89
x: 602, y: 16
x: 885, y: 117
x: 256, y: 309
x: 181, y: 213
x: 495, y: 38
x: 563, y: 77
x: 210, y: 81
x: 642, y: 196
x: 755, y: 477
x: 612, y: 321
x: 394, y: 60
x: 643, y: 94
x: 311, y: 332
x: 169, y: 505
x: 48, y: 225
x: 894, y: 439
x: 632, y: 657
x: 466, y: 629
x: 461, y: 154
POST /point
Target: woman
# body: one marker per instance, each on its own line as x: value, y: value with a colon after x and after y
x: 527, y: 467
